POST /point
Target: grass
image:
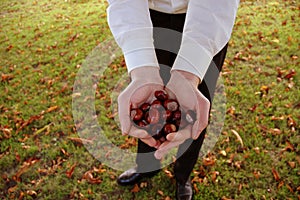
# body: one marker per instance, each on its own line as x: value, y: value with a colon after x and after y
x: 45, y: 43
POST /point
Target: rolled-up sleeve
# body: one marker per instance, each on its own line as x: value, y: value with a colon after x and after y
x: 131, y: 26
x: 207, y: 29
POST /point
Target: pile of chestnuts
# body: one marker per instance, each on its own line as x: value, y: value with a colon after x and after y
x: 161, y: 116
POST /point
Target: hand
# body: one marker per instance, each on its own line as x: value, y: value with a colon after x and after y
x: 185, y: 86
x: 144, y: 82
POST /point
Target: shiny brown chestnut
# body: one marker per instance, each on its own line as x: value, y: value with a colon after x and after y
x: 145, y: 107
x: 153, y: 115
x: 190, y: 116
x: 167, y: 115
x: 156, y: 130
x: 161, y: 95
x: 156, y: 104
x: 142, y: 123
x: 169, y: 128
x: 136, y: 114
x: 176, y: 115
x: 171, y: 104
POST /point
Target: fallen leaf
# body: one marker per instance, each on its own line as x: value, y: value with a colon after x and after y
x: 80, y: 141
x: 135, y: 189
x: 90, y: 178
x: 26, y: 165
x: 69, y: 173
x: 289, y: 146
x: 275, y: 131
x: 256, y: 174
x: 6, y: 77
x: 275, y: 174
x: 292, y: 164
x: 214, y: 176
x: 238, y: 137
x: 9, y: 47
x: 290, y: 188
x: 291, y: 74
x: 160, y: 192
x: 31, y: 193
x: 209, y: 161
x: 225, y: 198
x: 52, y: 109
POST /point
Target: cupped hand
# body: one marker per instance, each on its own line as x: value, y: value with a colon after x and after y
x: 184, y: 87
x: 144, y: 82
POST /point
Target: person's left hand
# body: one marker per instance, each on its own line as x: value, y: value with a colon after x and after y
x: 184, y: 87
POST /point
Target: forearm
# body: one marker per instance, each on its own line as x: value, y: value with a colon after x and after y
x: 207, y: 29
x: 130, y: 24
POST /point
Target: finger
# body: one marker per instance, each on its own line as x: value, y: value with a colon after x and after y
x: 173, y: 140
x: 123, y: 110
x: 165, y: 148
x: 144, y: 93
x: 180, y: 135
x: 143, y: 135
x: 202, y: 113
x: 151, y: 142
x: 170, y: 91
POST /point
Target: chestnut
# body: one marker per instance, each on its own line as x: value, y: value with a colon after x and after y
x: 145, y: 107
x: 176, y: 115
x: 136, y: 114
x: 169, y: 128
x: 142, y: 123
x: 167, y: 115
x: 152, y: 116
x: 162, y: 139
x: 190, y: 116
x: 171, y: 104
x: 156, y: 104
x: 161, y: 95
x: 156, y: 130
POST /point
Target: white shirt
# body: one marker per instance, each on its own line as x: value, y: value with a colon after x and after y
x: 207, y: 29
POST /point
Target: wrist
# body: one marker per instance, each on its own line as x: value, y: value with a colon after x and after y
x: 192, y: 78
x: 147, y: 73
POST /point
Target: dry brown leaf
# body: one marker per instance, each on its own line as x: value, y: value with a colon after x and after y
x: 275, y: 174
x: 290, y: 188
x: 292, y: 164
x: 209, y: 161
x: 160, y: 192
x: 275, y: 131
x: 80, y: 140
x: 26, y: 165
x: 238, y: 137
x: 256, y: 174
x: 214, y: 176
x: 291, y: 74
x: 69, y: 173
x: 289, y: 146
x: 90, y: 178
x: 225, y: 198
x: 135, y: 188
x: 52, y: 109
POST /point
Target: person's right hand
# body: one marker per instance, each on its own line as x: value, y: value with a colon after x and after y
x: 144, y: 82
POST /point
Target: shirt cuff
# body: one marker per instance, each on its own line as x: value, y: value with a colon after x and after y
x: 138, y: 48
x: 192, y: 58
x: 140, y: 58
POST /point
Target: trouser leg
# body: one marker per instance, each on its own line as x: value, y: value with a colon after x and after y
x: 191, y: 148
x: 166, y: 50
x: 188, y: 152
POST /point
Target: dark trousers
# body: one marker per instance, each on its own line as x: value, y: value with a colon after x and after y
x: 190, y: 149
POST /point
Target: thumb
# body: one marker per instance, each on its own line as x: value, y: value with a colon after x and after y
x: 124, y: 114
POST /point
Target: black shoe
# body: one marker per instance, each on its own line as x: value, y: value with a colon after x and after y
x: 184, y: 191
x: 131, y: 176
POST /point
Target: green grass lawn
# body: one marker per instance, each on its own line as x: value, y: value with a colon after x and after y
x: 43, y: 46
